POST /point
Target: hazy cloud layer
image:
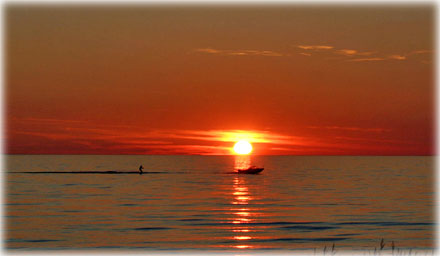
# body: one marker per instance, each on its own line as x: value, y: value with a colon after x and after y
x: 366, y: 59
x: 239, y: 52
x: 73, y: 136
x: 397, y: 57
x: 350, y: 52
x: 107, y: 139
x: 419, y: 52
x: 348, y: 128
x: 315, y: 47
x: 354, y: 55
x: 351, y: 55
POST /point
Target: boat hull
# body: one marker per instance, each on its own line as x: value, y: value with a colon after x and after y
x: 250, y: 171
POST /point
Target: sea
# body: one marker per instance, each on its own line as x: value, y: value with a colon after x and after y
x: 199, y: 203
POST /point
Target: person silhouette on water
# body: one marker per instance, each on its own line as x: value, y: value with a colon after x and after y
x: 140, y: 169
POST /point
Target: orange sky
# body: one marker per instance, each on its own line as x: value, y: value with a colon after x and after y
x: 189, y: 79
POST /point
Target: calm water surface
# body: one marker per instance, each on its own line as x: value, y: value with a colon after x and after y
x: 195, y: 202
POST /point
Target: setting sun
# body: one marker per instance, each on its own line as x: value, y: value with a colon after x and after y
x: 243, y: 147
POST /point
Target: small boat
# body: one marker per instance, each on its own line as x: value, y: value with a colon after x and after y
x: 250, y: 170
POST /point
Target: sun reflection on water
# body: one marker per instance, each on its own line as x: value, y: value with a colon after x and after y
x: 244, y: 212
x: 243, y: 246
x: 243, y: 207
x: 242, y: 237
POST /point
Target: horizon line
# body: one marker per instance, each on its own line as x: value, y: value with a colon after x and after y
x: 29, y: 154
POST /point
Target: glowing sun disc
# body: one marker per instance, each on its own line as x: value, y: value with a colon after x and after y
x: 242, y: 147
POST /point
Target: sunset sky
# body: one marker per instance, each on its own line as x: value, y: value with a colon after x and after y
x: 191, y: 79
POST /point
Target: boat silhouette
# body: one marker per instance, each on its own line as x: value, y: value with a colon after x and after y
x: 250, y: 170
